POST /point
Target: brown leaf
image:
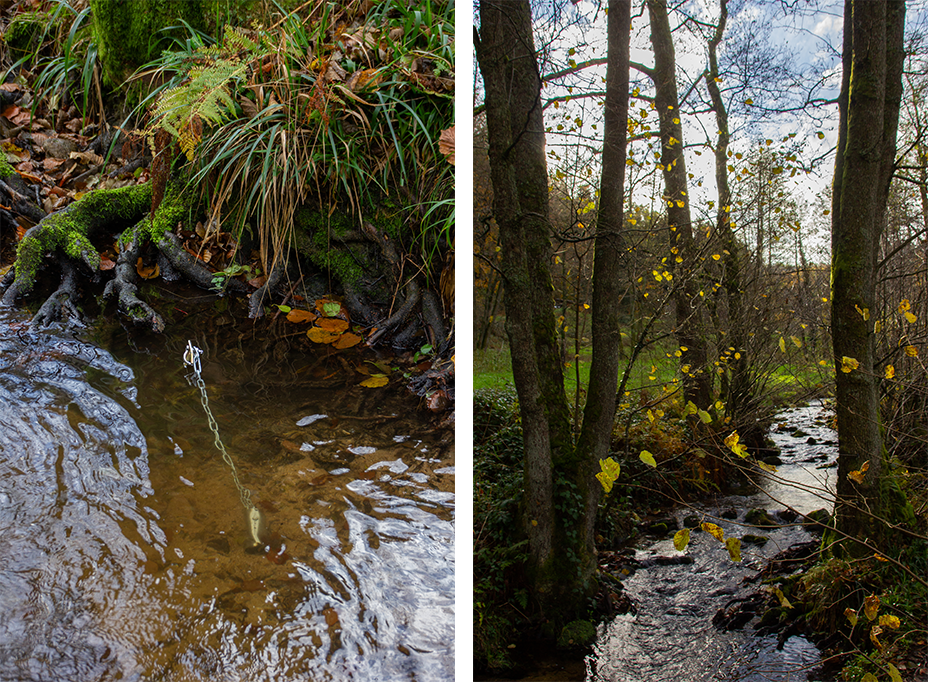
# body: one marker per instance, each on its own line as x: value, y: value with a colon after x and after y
x: 331, y: 616
x: 446, y: 144
x: 317, y: 335
x: 333, y: 324
x: 248, y: 107
x: 376, y: 381
x: 347, y: 340
x: 296, y: 316
x: 106, y: 263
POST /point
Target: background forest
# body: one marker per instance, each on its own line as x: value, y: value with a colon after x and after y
x: 708, y: 233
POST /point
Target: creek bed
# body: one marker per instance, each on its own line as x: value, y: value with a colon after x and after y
x: 671, y: 637
x: 122, y: 536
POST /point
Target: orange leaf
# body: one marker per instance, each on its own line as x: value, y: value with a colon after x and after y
x: 858, y: 476
x: 317, y: 335
x: 296, y: 316
x: 333, y: 324
x: 146, y: 272
x: 106, y: 263
x: 347, y: 340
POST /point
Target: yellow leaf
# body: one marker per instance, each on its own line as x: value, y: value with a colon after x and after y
x: 848, y: 365
x: 889, y: 621
x: 875, y: 632
x: 704, y: 417
x: 894, y: 673
x: 877, y: 327
x: 680, y: 204
x: 605, y: 480
x: 858, y: 476
x: 732, y: 443
x: 146, y: 272
x: 713, y: 530
x: 911, y: 351
x: 733, y: 545
x: 647, y: 458
x: 871, y: 605
x: 864, y: 312
x: 784, y: 602
x: 376, y: 381
x: 796, y: 341
x: 767, y: 467
x: 904, y: 305
x: 851, y: 615
x: 681, y: 539
x: 868, y: 677
x: 782, y: 345
x: 889, y: 372
x: 715, y: 256
x: 910, y: 317
x: 749, y: 101
x: 820, y: 135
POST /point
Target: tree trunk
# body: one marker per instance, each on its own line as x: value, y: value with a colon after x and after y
x: 608, y: 259
x: 697, y: 383
x: 869, y: 111
x: 505, y: 52
x: 127, y: 34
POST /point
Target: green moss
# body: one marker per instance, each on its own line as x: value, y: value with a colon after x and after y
x: 25, y: 29
x: 318, y: 228
x: 6, y: 170
x: 68, y: 230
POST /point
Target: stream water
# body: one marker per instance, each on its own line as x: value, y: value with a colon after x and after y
x: 122, y: 536
x: 671, y: 638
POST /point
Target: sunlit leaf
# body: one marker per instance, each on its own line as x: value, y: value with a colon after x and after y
x: 911, y: 351
x: 691, y: 408
x: 848, y: 365
x: 297, y: 316
x: 767, y: 467
x: 605, y: 480
x: 704, y: 417
x: 871, y: 606
x: 347, y: 340
x: 713, y: 530
x: 681, y: 539
x: 910, y: 317
x: 887, y: 620
x: 782, y: 345
x: 889, y: 372
x: 733, y: 545
x: 732, y: 443
x: 375, y: 381
x: 851, y: 615
x: 858, y: 476
x: 904, y: 305
x: 647, y: 458
x: 284, y: 308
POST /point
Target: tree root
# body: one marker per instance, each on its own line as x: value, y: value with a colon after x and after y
x: 124, y: 285
x: 61, y: 302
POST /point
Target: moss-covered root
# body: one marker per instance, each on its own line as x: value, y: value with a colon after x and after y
x: 61, y: 302
x: 124, y: 285
x: 67, y: 233
x: 190, y: 267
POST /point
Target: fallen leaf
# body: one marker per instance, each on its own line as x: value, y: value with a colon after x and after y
x: 333, y: 324
x: 318, y: 335
x: 347, y: 340
x: 146, y: 272
x: 733, y: 545
x: 106, y: 263
x: 376, y: 381
x: 297, y: 316
x: 681, y: 539
x: 446, y: 144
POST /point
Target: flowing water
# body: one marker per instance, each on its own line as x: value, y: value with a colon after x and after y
x: 123, y: 539
x: 672, y: 638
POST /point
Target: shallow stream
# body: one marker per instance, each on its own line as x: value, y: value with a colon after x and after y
x: 122, y: 536
x: 671, y: 638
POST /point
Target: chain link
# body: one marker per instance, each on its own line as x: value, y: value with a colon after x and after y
x: 192, y: 360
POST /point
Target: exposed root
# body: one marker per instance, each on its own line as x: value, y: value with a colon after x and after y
x: 61, y: 302
x: 124, y: 285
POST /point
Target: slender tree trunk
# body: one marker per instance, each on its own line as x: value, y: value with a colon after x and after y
x: 869, y: 112
x: 697, y: 383
x: 608, y: 275
x: 506, y: 53
x: 738, y: 396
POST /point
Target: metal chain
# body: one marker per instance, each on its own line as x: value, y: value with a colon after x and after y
x: 192, y: 360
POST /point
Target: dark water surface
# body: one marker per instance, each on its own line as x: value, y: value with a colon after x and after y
x: 122, y: 536
x: 672, y: 638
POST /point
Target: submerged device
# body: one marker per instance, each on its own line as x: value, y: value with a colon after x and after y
x: 255, y: 522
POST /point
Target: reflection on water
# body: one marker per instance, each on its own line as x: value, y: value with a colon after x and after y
x: 671, y: 638
x: 122, y: 552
